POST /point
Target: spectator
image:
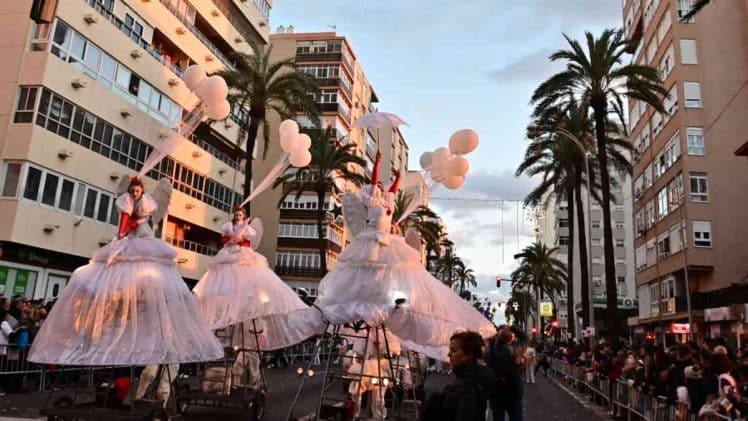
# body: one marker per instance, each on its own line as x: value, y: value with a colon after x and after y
x: 676, y: 376
x: 5, y: 331
x: 465, y: 399
x: 501, y: 359
x: 530, y: 356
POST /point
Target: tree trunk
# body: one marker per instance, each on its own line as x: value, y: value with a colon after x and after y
x: 320, y: 232
x: 612, y: 318
x: 539, y: 328
x: 254, y: 125
x: 583, y: 258
x: 570, y: 316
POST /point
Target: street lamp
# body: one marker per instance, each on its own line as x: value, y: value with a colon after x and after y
x: 533, y: 131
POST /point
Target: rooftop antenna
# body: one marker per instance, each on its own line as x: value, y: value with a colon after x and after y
x: 333, y: 27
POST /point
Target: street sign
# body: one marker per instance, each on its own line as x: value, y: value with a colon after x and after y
x: 546, y: 309
x: 679, y: 328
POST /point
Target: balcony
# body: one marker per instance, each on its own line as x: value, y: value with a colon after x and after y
x: 298, y: 271
x: 237, y: 19
x: 309, y: 243
x: 328, y: 107
x: 119, y: 24
x: 204, y: 39
x: 191, y: 246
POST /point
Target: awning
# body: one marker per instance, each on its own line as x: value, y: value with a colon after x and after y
x: 743, y: 150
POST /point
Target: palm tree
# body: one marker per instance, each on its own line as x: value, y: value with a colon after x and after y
x: 448, y: 266
x: 328, y: 162
x: 465, y: 276
x: 695, y: 9
x: 599, y: 79
x: 260, y: 86
x: 525, y: 304
x: 540, y: 270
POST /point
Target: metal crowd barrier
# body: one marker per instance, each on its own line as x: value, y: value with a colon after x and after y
x: 622, y: 400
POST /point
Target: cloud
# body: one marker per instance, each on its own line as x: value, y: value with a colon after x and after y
x: 530, y: 68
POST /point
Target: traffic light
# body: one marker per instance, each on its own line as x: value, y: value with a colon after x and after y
x: 534, y: 329
x: 554, y: 324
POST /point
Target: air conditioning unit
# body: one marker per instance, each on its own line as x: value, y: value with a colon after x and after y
x: 64, y: 154
x: 181, y: 31
x: 197, y: 154
x: 173, y: 82
x: 136, y: 53
x: 91, y: 18
x: 79, y: 83
x: 125, y: 113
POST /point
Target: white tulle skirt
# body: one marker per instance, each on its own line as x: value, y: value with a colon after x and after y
x: 240, y: 289
x: 127, y: 306
x: 375, y: 271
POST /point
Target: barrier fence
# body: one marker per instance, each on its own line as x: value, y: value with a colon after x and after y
x: 621, y: 399
x: 17, y: 374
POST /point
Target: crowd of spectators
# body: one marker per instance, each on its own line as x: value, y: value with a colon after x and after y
x: 700, y: 376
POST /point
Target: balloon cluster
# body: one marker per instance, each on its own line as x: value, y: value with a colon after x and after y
x: 295, y: 144
x: 211, y: 90
x: 448, y: 165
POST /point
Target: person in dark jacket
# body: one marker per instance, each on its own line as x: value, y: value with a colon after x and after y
x: 502, y: 360
x: 465, y: 399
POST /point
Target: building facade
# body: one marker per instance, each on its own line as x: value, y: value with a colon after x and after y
x: 291, y: 242
x: 688, y: 185
x: 83, y: 100
x: 555, y: 232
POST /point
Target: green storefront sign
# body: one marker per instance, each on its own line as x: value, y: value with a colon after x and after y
x: 22, y: 281
x: 3, y: 278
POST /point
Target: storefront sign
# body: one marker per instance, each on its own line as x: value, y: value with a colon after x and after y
x: 717, y: 314
x: 546, y: 309
x: 22, y: 281
x: 679, y: 327
x: 3, y: 278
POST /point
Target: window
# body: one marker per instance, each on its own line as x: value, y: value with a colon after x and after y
x: 671, y: 101
x: 619, y: 225
x: 654, y: 304
x: 595, y: 224
x: 66, y: 195
x: 12, y: 177
x: 640, y: 258
x: 656, y: 124
x: 33, y: 180
x: 650, y: 214
x: 666, y: 63
x: 662, y: 203
x: 620, y: 243
x: 49, y: 193
x: 81, y: 127
x: 699, y: 188
x: 692, y: 94
x: 702, y: 233
x: 638, y: 187
x: 651, y: 252
x: 563, y: 240
x: 695, y: 137
x: 676, y: 237
x: 684, y: 6
x: 648, y: 176
x: 596, y: 241
x: 26, y: 104
x: 563, y: 223
x: 621, y: 279
x: 688, y: 51
x: 641, y: 223
x: 675, y: 192
x: 663, y: 246
x: 664, y: 25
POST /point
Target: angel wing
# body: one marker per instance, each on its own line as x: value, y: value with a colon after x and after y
x: 354, y: 212
x: 413, y: 239
x: 256, y: 224
x: 124, y: 184
x: 162, y: 195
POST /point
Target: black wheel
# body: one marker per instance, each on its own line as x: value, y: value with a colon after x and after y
x: 61, y: 402
x: 257, y: 411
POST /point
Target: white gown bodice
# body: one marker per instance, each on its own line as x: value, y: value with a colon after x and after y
x: 140, y: 210
x: 237, y: 232
x: 379, y: 213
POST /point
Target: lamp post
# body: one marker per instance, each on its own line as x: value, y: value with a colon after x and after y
x: 533, y: 131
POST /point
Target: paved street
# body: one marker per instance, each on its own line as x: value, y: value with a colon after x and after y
x: 543, y: 401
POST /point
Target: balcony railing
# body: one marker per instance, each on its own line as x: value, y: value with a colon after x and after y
x: 119, y: 24
x: 191, y: 246
x: 239, y: 24
x: 208, y: 43
x: 298, y: 271
x: 222, y: 156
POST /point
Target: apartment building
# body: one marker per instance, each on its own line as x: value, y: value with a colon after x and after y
x: 291, y: 242
x: 689, y: 187
x: 83, y: 101
x: 555, y: 232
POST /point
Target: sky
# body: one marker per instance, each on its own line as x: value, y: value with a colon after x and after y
x: 445, y: 65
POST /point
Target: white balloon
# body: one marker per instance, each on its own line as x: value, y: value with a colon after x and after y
x: 300, y: 158
x: 304, y: 142
x: 288, y: 127
x: 437, y: 174
x: 441, y: 153
x: 193, y: 76
x: 427, y: 158
x: 457, y: 165
x: 463, y: 141
x: 212, y: 90
x: 288, y: 143
x: 453, y: 182
x: 219, y: 111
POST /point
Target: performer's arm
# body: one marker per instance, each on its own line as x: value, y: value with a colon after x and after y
x: 396, y: 184
x: 124, y: 219
x: 375, y: 171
